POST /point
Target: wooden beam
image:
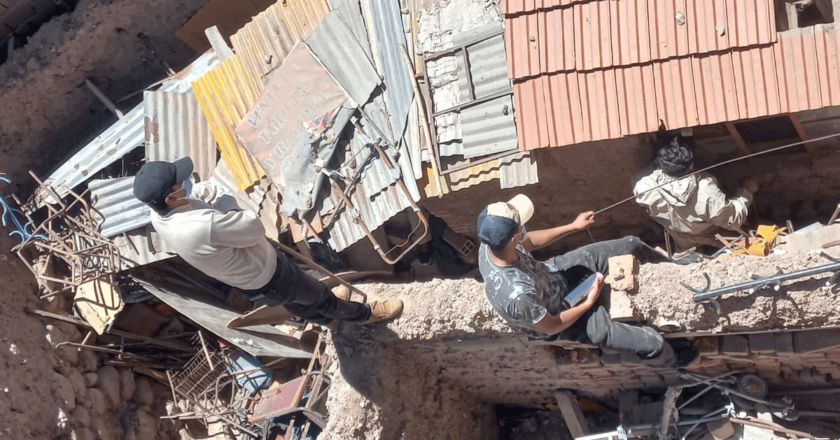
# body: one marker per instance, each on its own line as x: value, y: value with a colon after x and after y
x: 792, y: 16
x: 739, y: 141
x: 801, y: 132
x: 826, y: 10
x: 572, y: 414
x: 104, y: 99
x: 220, y: 46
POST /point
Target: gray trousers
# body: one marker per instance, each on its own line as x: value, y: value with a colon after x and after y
x: 596, y: 326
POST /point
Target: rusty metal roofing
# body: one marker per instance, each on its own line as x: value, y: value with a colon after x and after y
x: 549, y: 38
x: 337, y: 49
x: 115, y: 207
x: 376, y: 197
x: 386, y: 36
x: 264, y: 42
x: 121, y: 137
x: 176, y: 128
x: 225, y: 95
x: 136, y: 248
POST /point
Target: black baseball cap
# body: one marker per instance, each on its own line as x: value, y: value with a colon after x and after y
x: 154, y: 181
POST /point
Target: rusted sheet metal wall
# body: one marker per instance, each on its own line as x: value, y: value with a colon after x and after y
x: 225, y: 94
x: 733, y: 66
x: 116, y: 208
x: 376, y: 197
x: 600, y: 34
x: 121, y: 137
x: 176, y: 128
x: 136, y: 248
x: 264, y: 42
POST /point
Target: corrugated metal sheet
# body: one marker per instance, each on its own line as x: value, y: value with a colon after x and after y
x: 136, y: 249
x: 600, y: 34
x: 264, y: 42
x: 374, y: 207
x: 335, y: 46
x: 213, y: 315
x: 745, y: 72
x: 384, y: 20
x: 352, y: 13
x: 481, y: 129
x: 225, y: 94
x: 518, y: 169
x: 488, y: 127
x: 176, y: 128
x: 116, y: 208
x: 121, y: 137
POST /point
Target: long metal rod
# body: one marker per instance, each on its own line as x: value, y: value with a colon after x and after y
x: 319, y: 268
x: 424, y: 120
x: 726, y: 162
x: 704, y: 295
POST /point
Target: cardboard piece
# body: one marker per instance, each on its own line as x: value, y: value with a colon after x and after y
x: 816, y: 239
x: 98, y: 302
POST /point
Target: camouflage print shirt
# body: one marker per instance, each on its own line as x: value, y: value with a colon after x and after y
x: 525, y: 291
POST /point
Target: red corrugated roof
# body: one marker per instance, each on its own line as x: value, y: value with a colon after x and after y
x: 586, y: 71
x: 561, y: 35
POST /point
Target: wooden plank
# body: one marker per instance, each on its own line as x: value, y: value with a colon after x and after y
x: 261, y: 315
x: 801, y: 132
x: 739, y: 141
x: 218, y: 43
x: 571, y: 413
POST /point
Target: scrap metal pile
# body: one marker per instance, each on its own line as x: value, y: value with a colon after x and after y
x: 316, y: 128
x: 317, y: 121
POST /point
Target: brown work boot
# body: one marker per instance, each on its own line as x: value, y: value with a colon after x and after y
x: 341, y: 292
x: 384, y: 310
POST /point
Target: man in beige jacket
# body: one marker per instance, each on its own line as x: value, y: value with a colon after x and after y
x: 692, y: 209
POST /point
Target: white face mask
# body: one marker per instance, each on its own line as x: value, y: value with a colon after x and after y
x: 188, y: 186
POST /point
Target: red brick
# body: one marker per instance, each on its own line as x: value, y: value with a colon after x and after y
x: 806, y: 342
x: 762, y: 343
x: 735, y: 345
x: 784, y: 344
x: 707, y: 346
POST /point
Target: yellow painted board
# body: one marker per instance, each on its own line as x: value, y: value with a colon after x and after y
x: 225, y: 94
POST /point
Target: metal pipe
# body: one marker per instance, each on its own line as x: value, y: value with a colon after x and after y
x: 706, y: 294
x: 421, y: 110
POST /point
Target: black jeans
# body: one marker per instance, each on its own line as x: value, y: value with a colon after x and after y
x: 305, y: 296
x: 596, y: 326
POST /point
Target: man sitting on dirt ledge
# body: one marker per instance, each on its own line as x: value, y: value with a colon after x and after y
x: 230, y: 246
x: 529, y: 294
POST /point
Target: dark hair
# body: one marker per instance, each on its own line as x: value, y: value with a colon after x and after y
x: 675, y: 157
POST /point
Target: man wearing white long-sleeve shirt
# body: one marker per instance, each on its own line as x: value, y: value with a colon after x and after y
x: 230, y: 246
x: 692, y: 208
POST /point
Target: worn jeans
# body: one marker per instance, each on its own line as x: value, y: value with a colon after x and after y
x: 596, y: 326
x: 305, y: 296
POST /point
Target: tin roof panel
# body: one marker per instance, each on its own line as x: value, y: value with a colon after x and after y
x: 176, y: 128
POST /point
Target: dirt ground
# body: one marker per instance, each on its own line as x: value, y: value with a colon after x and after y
x: 47, y: 114
x: 803, y: 303
x: 48, y: 111
x: 28, y: 405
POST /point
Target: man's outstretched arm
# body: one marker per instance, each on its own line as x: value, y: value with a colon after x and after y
x: 544, y: 237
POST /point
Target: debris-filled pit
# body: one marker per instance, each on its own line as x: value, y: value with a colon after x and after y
x: 450, y: 358
x: 121, y: 338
